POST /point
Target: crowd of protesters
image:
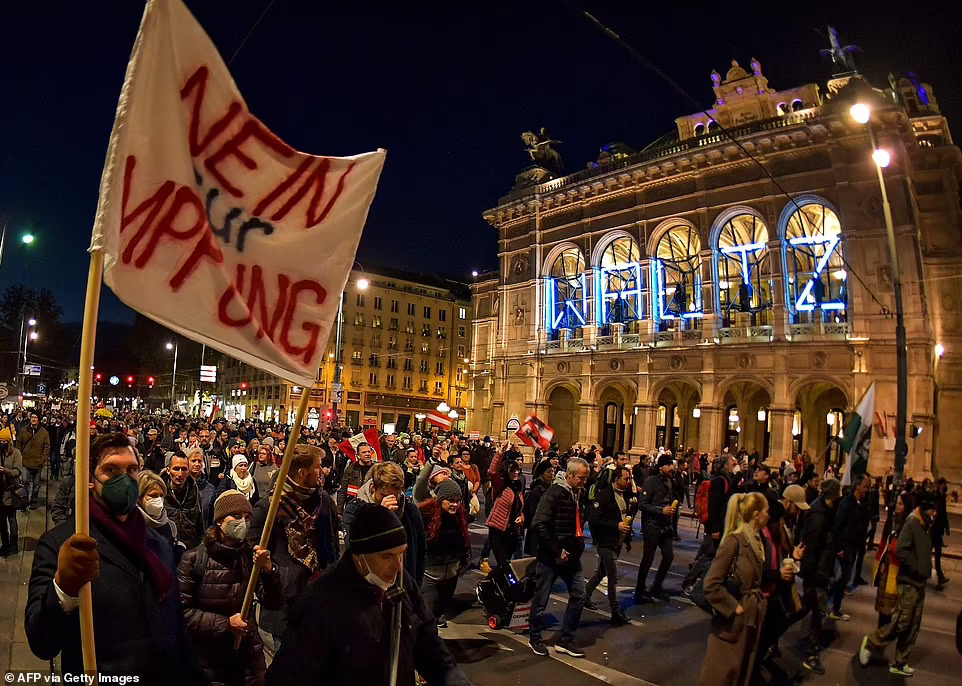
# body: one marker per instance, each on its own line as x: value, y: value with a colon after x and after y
x: 364, y: 531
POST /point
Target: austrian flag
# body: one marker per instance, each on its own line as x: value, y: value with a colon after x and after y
x: 439, y: 419
x: 349, y: 447
x: 536, y: 433
x: 212, y: 225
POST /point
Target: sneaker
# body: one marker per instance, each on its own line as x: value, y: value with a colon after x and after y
x: 814, y: 665
x: 901, y: 670
x: 569, y: 649
x: 849, y: 590
x: 864, y: 652
x: 538, y: 648
x: 839, y: 616
x: 618, y: 618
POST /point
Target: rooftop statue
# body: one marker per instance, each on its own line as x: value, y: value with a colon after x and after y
x: 539, y: 147
x: 841, y: 56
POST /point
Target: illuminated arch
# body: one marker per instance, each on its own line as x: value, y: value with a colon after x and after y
x: 742, y: 267
x: 815, y: 275
x: 565, y: 289
x: 676, y: 276
x: 619, y: 280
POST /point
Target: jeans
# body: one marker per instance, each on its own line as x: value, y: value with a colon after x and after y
x: 655, y: 538
x: 859, y: 564
x: 709, y: 546
x: 438, y: 594
x: 816, y: 600
x: 32, y: 483
x: 844, y: 576
x: 54, y: 465
x: 9, y: 531
x: 545, y: 576
x: 503, y: 546
x: 607, y: 566
x: 905, y: 627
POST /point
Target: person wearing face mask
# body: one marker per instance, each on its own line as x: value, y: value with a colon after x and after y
x: 11, y: 470
x: 303, y: 541
x: 152, y: 491
x: 136, y: 610
x: 339, y: 630
x: 213, y: 579
x: 506, y: 521
x: 447, y: 547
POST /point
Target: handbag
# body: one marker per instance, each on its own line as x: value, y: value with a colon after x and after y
x: 474, y: 507
x: 731, y: 584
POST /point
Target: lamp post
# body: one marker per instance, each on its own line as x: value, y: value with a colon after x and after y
x: 862, y: 114
x: 27, y: 238
x: 31, y: 335
x: 173, y: 377
x: 362, y: 284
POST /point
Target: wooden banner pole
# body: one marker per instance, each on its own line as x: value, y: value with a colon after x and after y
x: 275, y: 501
x: 82, y: 465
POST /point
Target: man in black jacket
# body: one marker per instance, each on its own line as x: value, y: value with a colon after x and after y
x: 719, y: 491
x: 610, y: 518
x: 340, y: 628
x: 657, y: 503
x: 183, y: 503
x: 851, y: 523
x: 818, y: 565
x: 559, y: 523
x: 137, y: 616
x: 155, y: 458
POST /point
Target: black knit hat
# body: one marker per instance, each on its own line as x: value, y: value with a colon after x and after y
x: 664, y: 460
x: 374, y: 530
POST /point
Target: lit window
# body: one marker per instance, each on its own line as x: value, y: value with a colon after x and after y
x: 461, y: 332
x: 618, y: 284
x: 565, y: 292
x: 462, y: 313
x: 676, y: 278
x: 744, y: 272
x: 816, y: 274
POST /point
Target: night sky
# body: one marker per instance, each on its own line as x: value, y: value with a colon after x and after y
x: 446, y: 87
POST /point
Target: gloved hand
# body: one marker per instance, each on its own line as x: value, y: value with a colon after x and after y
x: 78, y: 563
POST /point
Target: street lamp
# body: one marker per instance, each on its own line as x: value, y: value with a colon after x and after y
x: 443, y: 407
x: 31, y: 322
x: 26, y: 238
x: 453, y: 414
x: 363, y: 283
x: 862, y: 113
x: 173, y: 377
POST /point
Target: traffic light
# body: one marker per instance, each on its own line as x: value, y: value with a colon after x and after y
x: 327, y: 414
x: 98, y: 377
x: 150, y: 381
x: 243, y: 385
x: 130, y: 381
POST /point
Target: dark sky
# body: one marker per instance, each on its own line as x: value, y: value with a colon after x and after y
x: 447, y: 87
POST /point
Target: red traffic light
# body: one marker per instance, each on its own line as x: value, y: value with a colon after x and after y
x: 98, y: 377
x: 327, y: 414
x: 150, y: 381
x: 243, y: 385
x: 130, y: 379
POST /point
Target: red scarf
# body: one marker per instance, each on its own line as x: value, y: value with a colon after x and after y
x: 130, y: 536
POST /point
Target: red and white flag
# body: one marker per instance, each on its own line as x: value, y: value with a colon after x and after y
x: 536, y: 433
x: 212, y: 225
x: 349, y: 447
x: 439, y: 419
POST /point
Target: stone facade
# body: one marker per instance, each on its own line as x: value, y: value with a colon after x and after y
x: 677, y: 296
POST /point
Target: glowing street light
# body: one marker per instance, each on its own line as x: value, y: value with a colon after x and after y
x: 474, y: 273
x: 362, y: 284
x: 443, y: 407
x: 882, y: 157
x: 861, y: 112
x: 31, y: 322
x: 453, y: 414
x: 939, y: 350
x: 34, y: 335
x: 27, y: 238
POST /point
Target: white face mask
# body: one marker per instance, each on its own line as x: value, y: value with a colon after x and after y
x: 237, y: 529
x: 154, y: 507
x: 374, y: 579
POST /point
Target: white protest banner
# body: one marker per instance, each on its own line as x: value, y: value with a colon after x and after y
x: 209, y: 223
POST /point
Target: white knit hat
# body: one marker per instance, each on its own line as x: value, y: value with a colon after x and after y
x: 238, y: 459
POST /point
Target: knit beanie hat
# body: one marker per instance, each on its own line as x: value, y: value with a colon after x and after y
x: 448, y: 490
x: 664, y: 460
x: 438, y: 470
x: 232, y: 502
x: 5, y: 435
x: 374, y: 530
x: 268, y: 442
x: 238, y: 459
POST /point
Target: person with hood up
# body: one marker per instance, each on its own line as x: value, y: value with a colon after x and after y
x: 447, y: 547
x: 340, y: 628
x: 11, y: 471
x: 506, y: 521
x: 385, y: 487
x: 212, y: 580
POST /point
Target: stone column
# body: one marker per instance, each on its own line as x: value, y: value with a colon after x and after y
x: 644, y: 436
x: 780, y: 311
x: 709, y: 426
x: 781, y: 434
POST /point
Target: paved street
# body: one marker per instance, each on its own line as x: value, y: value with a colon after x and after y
x: 664, y: 644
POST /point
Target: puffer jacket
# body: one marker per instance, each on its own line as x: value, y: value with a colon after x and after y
x: 556, y: 523
x: 211, y: 596
x: 34, y: 446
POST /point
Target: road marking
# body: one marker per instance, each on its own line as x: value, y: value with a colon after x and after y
x: 461, y: 632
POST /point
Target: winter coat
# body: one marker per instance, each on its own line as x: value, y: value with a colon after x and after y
x: 12, y: 478
x: 556, y: 522
x: 137, y: 631
x: 657, y: 493
x: 730, y: 658
x: 293, y: 576
x: 413, y: 526
x: 914, y: 553
x: 63, y: 502
x: 818, y: 565
x: 208, y: 494
x: 352, y: 478
x: 851, y: 524
x: 451, y: 542
x: 228, y: 484
x: 154, y: 456
x: 604, y: 517
x: 185, y: 511
x: 34, y: 446
x: 339, y: 633
x: 211, y: 596
x: 264, y: 476
x: 719, y: 491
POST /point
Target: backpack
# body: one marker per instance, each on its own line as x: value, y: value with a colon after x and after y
x: 701, y: 501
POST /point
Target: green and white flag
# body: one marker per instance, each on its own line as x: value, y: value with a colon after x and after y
x: 857, y: 437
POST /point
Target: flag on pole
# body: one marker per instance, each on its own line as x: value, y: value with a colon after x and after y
x: 349, y: 447
x: 439, y: 419
x: 536, y: 433
x: 209, y: 223
x: 857, y: 437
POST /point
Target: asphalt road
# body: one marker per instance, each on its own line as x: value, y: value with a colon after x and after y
x: 665, y: 642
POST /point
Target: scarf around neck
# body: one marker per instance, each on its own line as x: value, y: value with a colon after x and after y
x: 130, y: 536
x: 245, y: 486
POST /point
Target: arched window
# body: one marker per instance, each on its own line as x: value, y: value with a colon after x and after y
x: 713, y: 126
x: 618, y: 283
x: 797, y: 105
x: 565, y: 292
x: 744, y: 272
x: 676, y: 277
x: 699, y: 129
x: 814, y: 268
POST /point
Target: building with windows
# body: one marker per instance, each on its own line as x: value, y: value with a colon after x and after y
x: 404, y: 348
x: 733, y: 288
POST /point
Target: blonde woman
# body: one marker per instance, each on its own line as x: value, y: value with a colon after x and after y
x: 152, y: 491
x: 733, y: 587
